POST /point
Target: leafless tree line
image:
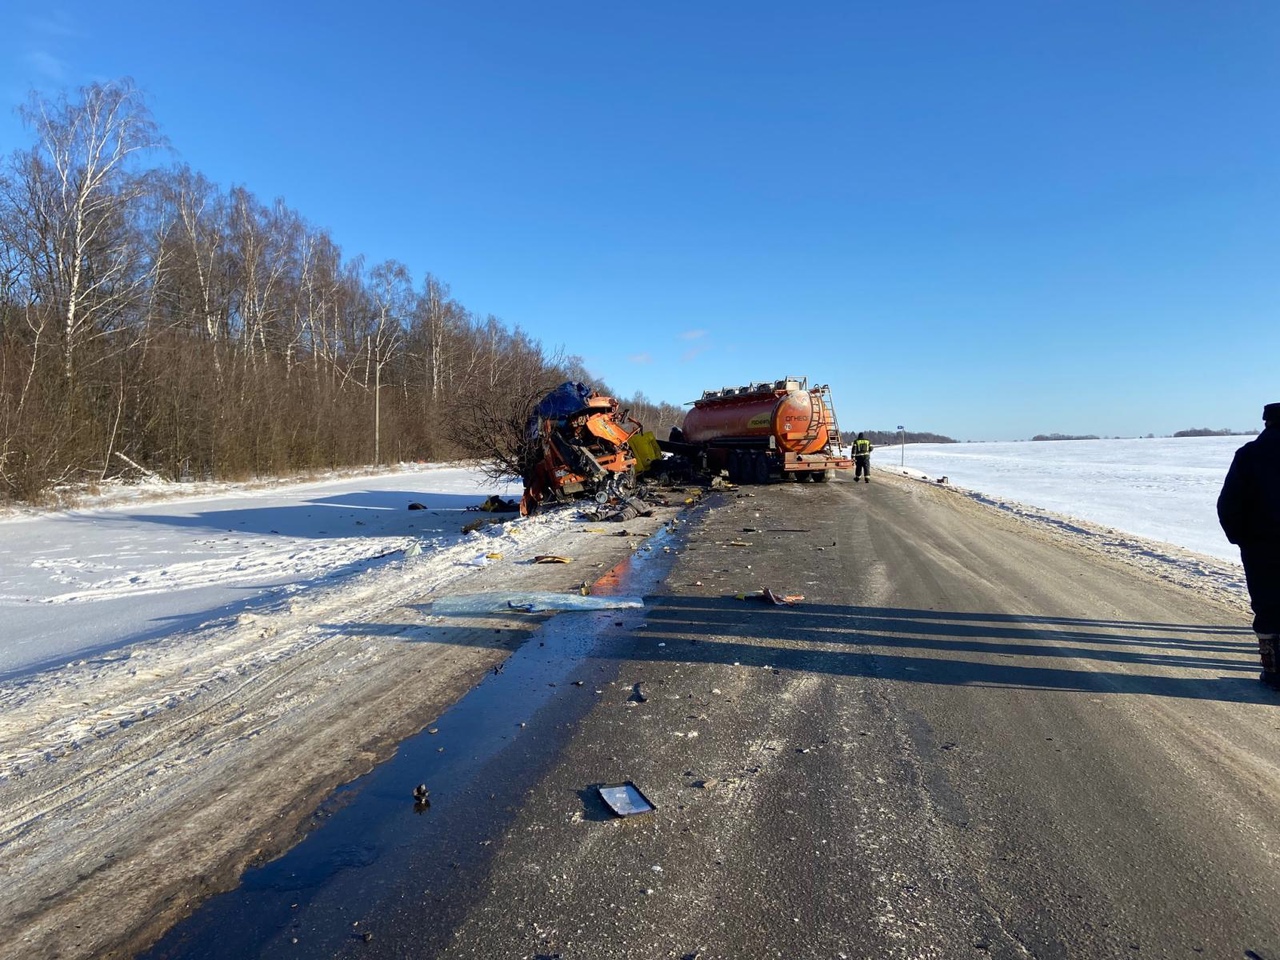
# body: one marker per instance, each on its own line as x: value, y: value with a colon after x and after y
x: 152, y: 321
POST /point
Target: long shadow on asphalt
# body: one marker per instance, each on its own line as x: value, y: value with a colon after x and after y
x: 931, y: 646
x: 927, y: 646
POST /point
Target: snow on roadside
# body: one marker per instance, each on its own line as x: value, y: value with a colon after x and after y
x: 1159, y: 488
x: 46, y: 714
x: 109, y: 572
x: 1212, y: 576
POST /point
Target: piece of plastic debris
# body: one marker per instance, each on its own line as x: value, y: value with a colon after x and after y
x: 413, y: 549
x: 551, y: 558
x: 493, y: 556
x: 625, y: 799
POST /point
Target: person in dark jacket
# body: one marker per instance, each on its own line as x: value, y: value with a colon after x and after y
x: 862, y: 458
x: 1249, y: 511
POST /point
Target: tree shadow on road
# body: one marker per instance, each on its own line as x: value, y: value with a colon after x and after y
x: 962, y: 649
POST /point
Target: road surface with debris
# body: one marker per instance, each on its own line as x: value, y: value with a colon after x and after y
x: 976, y: 735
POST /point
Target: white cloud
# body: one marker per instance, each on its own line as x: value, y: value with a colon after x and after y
x: 47, y: 65
x: 641, y: 358
x: 55, y: 23
x: 692, y: 334
x: 47, y: 39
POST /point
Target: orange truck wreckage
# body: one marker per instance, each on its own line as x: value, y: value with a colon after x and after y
x: 578, y: 444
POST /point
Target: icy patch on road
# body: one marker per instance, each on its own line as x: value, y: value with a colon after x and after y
x: 529, y: 603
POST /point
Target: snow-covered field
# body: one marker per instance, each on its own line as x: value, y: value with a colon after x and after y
x: 81, y: 582
x: 1163, y: 489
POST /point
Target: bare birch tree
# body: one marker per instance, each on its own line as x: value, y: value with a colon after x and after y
x: 391, y: 290
x: 78, y: 184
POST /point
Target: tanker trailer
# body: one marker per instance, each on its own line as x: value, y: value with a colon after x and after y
x: 772, y: 428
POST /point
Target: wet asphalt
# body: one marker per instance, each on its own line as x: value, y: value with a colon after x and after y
x: 963, y: 742
x: 476, y: 762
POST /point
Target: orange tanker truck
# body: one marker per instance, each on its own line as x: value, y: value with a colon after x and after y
x: 769, y: 429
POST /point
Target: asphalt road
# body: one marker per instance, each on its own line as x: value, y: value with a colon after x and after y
x: 969, y: 740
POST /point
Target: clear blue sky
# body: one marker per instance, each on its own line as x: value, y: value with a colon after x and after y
x: 984, y: 219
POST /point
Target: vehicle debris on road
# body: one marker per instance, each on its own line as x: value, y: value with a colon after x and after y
x: 495, y: 504
x: 771, y: 597
x: 625, y: 799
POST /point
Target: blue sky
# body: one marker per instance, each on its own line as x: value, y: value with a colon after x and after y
x: 984, y: 219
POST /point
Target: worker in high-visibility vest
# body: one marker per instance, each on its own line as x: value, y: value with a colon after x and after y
x: 862, y: 458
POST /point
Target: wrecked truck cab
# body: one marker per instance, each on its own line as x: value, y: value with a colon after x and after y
x: 577, y: 444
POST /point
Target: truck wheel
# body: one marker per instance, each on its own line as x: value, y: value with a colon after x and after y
x: 759, y: 468
x: 735, y: 467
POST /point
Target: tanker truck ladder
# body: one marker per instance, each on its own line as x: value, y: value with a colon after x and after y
x: 820, y: 398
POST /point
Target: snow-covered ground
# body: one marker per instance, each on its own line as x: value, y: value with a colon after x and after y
x: 1163, y: 489
x: 80, y: 582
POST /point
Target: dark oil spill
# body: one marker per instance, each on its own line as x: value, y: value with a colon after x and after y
x: 378, y: 870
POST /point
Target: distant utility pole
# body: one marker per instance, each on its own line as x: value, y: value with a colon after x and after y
x: 903, y: 446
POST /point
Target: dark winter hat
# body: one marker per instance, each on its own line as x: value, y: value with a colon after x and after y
x: 1271, y: 413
